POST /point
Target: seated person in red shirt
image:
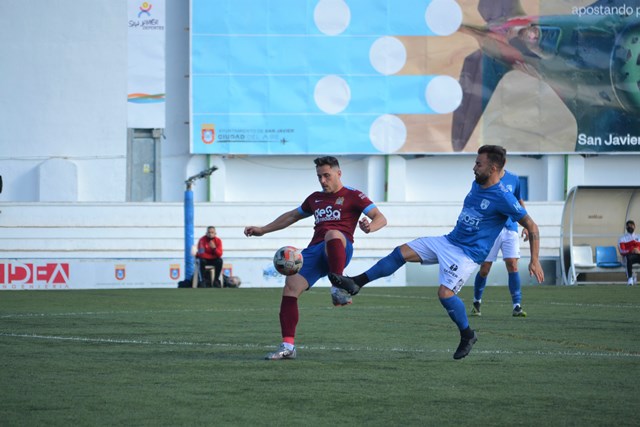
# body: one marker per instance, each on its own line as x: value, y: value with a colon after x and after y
x: 629, y: 246
x: 210, y: 254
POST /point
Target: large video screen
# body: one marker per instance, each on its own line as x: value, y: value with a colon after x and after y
x: 271, y: 77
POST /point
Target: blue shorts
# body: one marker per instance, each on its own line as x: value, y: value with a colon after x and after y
x: 316, y: 263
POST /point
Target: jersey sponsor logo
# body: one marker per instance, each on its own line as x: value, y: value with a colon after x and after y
x: 327, y: 214
x: 451, y: 274
x: 470, y: 218
x: 34, y: 273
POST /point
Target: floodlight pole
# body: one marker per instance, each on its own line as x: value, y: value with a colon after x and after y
x: 189, y: 260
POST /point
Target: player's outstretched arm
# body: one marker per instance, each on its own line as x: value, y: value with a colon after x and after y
x: 535, y: 269
x: 525, y: 233
x: 283, y: 221
x: 378, y: 220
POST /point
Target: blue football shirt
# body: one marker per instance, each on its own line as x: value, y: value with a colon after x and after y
x: 512, y: 183
x: 484, y: 213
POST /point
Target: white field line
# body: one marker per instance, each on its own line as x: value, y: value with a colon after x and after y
x: 121, y: 341
x: 110, y: 313
x: 564, y: 304
x: 267, y: 309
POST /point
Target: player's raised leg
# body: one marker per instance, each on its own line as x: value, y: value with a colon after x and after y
x: 383, y: 268
x: 336, y: 249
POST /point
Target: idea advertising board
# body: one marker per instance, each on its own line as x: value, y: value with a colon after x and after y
x: 69, y: 274
x: 51, y: 274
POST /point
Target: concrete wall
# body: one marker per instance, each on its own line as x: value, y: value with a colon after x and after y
x: 156, y: 231
x: 64, y: 95
x: 63, y: 86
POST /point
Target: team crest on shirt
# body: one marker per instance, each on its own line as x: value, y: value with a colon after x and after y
x: 510, y: 188
x: 340, y: 201
x: 484, y: 204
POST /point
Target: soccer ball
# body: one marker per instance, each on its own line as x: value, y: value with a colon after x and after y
x: 288, y: 260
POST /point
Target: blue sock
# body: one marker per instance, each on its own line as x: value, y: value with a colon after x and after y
x: 478, y: 287
x: 514, y: 288
x: 455, y: 309
x: 386, y: 266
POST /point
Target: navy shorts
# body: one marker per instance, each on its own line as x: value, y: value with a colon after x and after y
x: 316, y: 264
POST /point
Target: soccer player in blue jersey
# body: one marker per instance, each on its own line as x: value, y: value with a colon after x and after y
x: 508, y: 242
x: 485, y: 210
x: 336, y: 210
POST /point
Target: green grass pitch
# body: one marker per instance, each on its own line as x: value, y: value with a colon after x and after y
x: 177, y: 357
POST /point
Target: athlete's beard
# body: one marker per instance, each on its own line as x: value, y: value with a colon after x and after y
x: 482, y: 179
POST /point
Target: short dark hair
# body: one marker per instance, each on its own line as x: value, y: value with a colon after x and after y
x: 497, y: 154
x: 630, y: 222
x: 327, y: 160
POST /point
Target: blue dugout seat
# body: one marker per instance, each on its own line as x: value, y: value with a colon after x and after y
x: 607, y: 257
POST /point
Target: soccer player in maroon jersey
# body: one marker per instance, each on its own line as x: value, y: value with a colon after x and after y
x: 336, y: 210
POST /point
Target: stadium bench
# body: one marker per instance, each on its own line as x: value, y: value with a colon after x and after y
x: 606, y: 261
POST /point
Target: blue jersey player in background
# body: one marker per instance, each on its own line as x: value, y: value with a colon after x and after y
x: 484, y: 213
x: 508, y: 242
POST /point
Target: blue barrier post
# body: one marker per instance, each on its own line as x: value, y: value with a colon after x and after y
x: 189, y: 259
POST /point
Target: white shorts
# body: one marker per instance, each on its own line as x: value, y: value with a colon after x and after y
x: 508, y: 242
x: 455, y: 266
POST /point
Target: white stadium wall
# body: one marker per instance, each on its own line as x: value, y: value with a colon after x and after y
x: 64, y: 72
x: 116, y: 245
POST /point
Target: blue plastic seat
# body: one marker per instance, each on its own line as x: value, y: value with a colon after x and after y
x: 607, y: 257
